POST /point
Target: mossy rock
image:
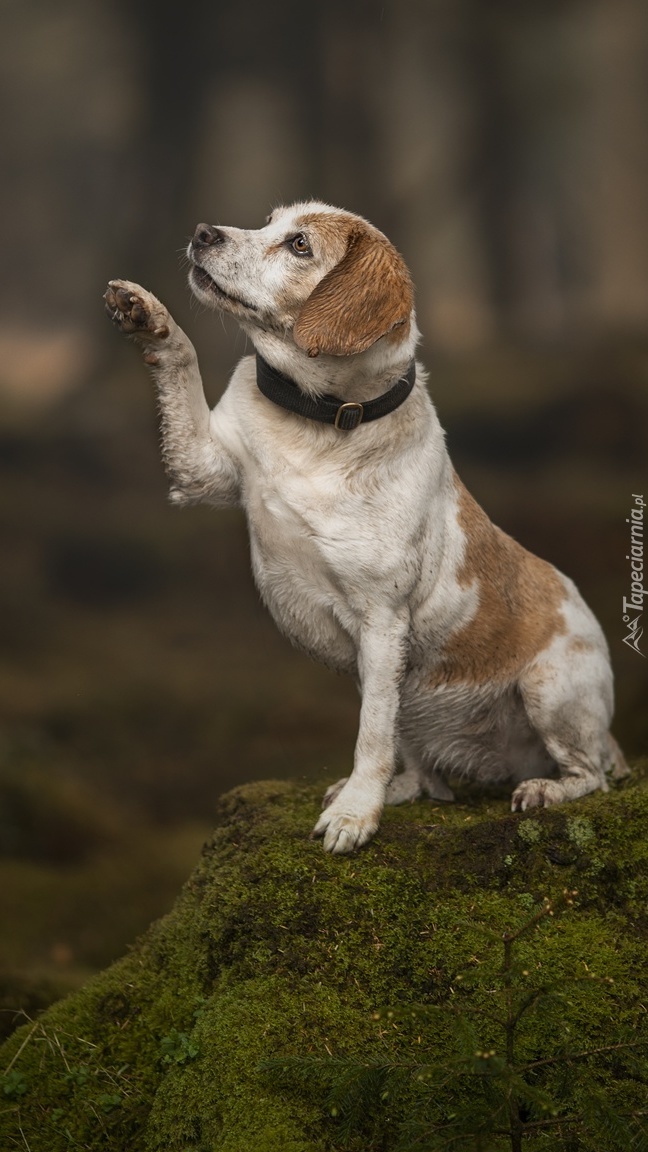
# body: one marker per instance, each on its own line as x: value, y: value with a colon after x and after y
x: 275, y: 948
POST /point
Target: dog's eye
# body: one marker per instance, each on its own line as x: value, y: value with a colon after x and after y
x: 300, y: 245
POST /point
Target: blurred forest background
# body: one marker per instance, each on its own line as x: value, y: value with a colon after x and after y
x: 503, y: 146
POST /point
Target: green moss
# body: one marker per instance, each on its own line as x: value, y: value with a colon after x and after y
x: 580, y: 831
x: 275, y: 948
x: 530, y: 831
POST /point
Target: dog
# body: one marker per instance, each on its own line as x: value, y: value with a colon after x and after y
x: 475, y: 658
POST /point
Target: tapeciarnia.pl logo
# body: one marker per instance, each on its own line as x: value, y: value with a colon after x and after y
x: 637, y: 591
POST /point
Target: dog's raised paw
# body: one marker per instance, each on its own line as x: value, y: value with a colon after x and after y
x: 136, y: 312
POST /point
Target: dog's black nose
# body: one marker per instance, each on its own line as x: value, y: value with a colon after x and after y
x: 206, y: 235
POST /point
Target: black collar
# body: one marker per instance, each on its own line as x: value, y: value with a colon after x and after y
x: 328, y: 409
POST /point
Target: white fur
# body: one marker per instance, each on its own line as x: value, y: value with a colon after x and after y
x: 356, y: 548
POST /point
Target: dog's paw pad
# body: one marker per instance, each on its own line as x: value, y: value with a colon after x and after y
x: 135, y: 311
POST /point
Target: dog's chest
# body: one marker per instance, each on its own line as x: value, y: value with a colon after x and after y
x: 323, y: 546
x: 310, y: 524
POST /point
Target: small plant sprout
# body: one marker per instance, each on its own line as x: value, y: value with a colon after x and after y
x: 500, y: 1092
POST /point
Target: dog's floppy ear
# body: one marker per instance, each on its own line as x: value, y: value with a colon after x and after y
x: 368, y: 294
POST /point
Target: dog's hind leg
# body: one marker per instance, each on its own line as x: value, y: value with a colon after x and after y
x: 416, y: 781
x: 614, y: 762
x: 569, y: 704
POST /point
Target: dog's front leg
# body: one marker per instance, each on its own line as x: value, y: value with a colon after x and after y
x: 353, y: 815
x: 196, y: 462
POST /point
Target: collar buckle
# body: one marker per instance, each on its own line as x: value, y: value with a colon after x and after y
x: 348, y: 416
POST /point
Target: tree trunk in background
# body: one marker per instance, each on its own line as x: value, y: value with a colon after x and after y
x: 562, y: 95
x: 427, y: 174
x: 614, y: 177
x: 174, y: 68
x: 502, y: 145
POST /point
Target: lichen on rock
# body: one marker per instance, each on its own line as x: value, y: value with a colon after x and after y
x: 275, y: 948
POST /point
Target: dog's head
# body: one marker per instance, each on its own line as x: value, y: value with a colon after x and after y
x: 320, y: 275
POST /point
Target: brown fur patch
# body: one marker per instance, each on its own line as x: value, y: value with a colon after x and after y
x: 366, y: 295
x: 577, y: 644
x: 332, y: 230
x: 519, y: 604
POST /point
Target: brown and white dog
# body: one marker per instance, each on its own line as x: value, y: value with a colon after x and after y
x: 474, y: 658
